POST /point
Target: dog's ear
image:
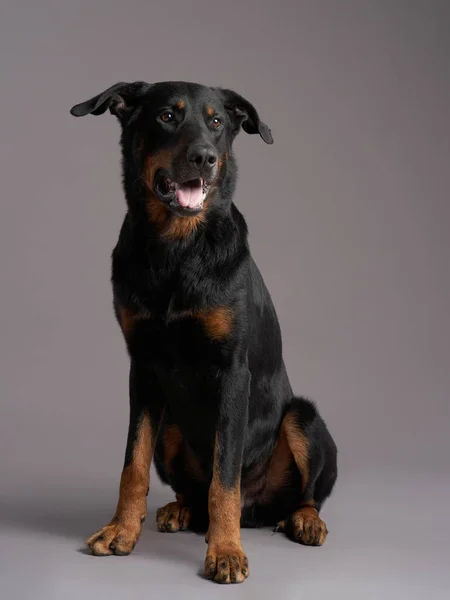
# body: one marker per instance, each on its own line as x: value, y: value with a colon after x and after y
x: 244, y: 114
x: 121, y: 98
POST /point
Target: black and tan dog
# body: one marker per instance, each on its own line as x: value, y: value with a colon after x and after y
x: 210, y: 400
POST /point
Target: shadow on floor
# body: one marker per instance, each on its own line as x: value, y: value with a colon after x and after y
x: 73, y: 520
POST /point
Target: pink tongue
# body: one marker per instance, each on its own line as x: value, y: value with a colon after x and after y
x: 190, y: 196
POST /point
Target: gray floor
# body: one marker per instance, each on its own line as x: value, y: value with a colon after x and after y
x: 348, y: 215
x: 388, y: 538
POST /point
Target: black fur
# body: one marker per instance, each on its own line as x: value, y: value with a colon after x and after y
x: 235, y: 387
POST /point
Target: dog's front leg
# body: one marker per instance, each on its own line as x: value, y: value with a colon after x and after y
x: 225, y: 560
x: 120, y: 535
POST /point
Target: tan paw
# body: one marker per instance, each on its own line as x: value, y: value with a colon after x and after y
x: 226, y: 565
x: 305, y: 526
x: 173, y: 517
x: 117, y: 538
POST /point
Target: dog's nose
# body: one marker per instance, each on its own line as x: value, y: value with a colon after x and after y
x: 202, y: 157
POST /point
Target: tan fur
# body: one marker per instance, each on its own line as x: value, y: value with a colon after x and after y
x: 135, y: 479
x: 173, y: 517
x: 172, y: 442
x: 170, y: 226
x: 306, y: 527
x: 154, y: 162
x: 217, y: 322
x: 278, y: 472
x: 298, y: 444
x: 192, y: 465
x: 126, y: 320
x: 225, y: 559
x: 124, y: 529
x: 178, y: 228
x: 292, y: 445
x: 309, y: 504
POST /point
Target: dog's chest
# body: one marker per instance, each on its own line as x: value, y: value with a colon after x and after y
x: 193, y: 338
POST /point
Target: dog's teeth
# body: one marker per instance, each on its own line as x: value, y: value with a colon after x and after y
x: 170, y: 184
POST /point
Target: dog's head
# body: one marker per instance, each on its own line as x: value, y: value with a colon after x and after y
x: 178, y: 136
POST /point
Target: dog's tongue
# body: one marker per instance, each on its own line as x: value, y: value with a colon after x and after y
x: 190, y: 194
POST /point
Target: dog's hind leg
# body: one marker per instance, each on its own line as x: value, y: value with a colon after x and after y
x: 305, y: 434
x: 174, y: 516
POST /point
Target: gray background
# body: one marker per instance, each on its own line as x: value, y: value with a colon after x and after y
x: 349, y: 219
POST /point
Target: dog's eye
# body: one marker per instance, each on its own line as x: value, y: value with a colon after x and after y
x: 216, y: 122
x: 166, y: 117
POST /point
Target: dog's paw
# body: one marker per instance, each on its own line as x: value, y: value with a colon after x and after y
x: 117, y: 538
x: 226, y: 565
x: 305, y: 527
x: 173, y: 517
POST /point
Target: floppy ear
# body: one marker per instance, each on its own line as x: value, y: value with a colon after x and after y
x: 120, y: 98
x: 244, y: 114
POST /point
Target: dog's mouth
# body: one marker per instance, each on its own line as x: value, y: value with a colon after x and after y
x: 184, y: 198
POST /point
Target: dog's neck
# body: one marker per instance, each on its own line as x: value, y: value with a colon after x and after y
x: 160, y: 280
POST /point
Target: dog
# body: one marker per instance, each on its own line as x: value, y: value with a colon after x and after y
x: 210, y: 399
